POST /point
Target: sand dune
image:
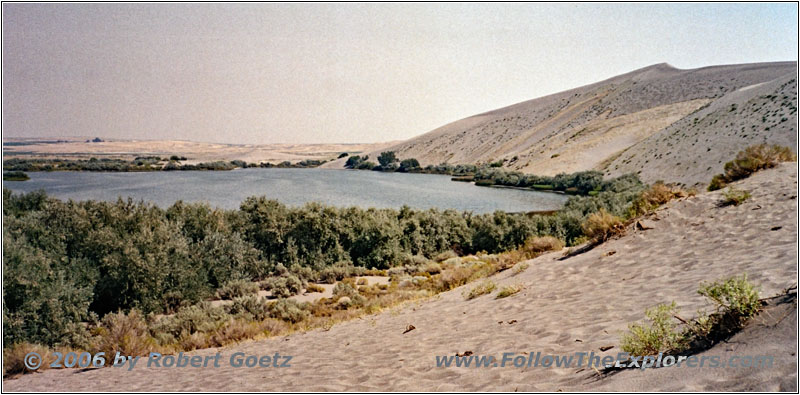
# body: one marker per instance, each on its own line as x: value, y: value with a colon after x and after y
x: 576, y: 305
x: 666, y: 123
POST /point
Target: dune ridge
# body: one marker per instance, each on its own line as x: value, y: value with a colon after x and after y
x: 642, y: 121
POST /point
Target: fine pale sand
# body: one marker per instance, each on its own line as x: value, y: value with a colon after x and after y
x: 660, y: 122
x: 576, y: 305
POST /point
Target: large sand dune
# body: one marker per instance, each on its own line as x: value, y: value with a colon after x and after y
x: 670, y: 124
x: 575, y: 305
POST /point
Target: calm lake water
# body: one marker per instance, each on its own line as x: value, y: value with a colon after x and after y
x: 295, y: 187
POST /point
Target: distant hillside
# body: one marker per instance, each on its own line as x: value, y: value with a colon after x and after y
x: 662, y: 122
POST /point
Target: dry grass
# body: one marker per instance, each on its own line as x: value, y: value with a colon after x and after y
x: 125, y: 333
x: 14, y: 358
x: 602, y: 225
x: 483, y: 288
x: 520, y: 267
x: 538, y: 245
x: 657, y: 195
x: 509, y: 290
x: 311, y: 288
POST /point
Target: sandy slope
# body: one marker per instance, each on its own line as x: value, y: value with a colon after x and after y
x: 576, y: 305
x: 642, y: 121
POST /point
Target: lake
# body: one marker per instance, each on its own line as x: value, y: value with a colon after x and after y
x: 294, y: 187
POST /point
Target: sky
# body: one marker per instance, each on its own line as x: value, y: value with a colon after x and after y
x: 256, y: 73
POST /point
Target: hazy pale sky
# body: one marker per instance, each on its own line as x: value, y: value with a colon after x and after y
x: 304, y: 73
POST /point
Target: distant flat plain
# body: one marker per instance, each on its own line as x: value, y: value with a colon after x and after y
x: 79, y: 148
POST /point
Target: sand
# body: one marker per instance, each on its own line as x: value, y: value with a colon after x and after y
x: 575, y: 305
x: 661, y: 122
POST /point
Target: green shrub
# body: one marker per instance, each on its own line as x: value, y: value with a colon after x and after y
x: 199, y: 318
x: 250, y: 308
x: 289, y: 310
x: 660, y: 335
x: 735, y: 296
x: 236, y: 289
x: 734, y: 197
x: 285, y: 286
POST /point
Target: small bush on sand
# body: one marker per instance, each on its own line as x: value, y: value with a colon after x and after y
x: 125, y: 333
x: 660, y: 335
x: 538, y: 245
x: 284, y: 286
x: 734, y: 197
x: 345, y: 290
x: 602, y: 225
x: 751, y: 160
x: 237, y: 288
x: 736, y: 301
x: 250, y: 308
x: 361, y: 281
x: 520, y: 267
x: 735, y: 296
x: 188, y: 320
x: 509, y: 290
x: 14, y: 358
x: 657, y: 195
x: 481, y: 289
x: 311, y: 288
x: 289, y: 310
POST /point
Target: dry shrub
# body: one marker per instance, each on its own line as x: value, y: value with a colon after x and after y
x: 14, y: 358
x: 314, y: 288
x: 520, y: 267
x: 236, y: 289
x: 657, y: 195
x: 538, y: 245
x: 125, y: 333
x: 602, y: 225
x: 362, y: 281
x: 194, y: 341
x: 481, y: 289
x: 441, y: 257
x: 235, y: 331
x: 751, y: 160
x: 509, y: 290
x: 459, y: 275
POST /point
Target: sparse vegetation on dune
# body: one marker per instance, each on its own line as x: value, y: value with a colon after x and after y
x: 751, y: 160
x: 509, y: 290
x: 735, y: 300
x: 483, y: 288
x: 734, y: 197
